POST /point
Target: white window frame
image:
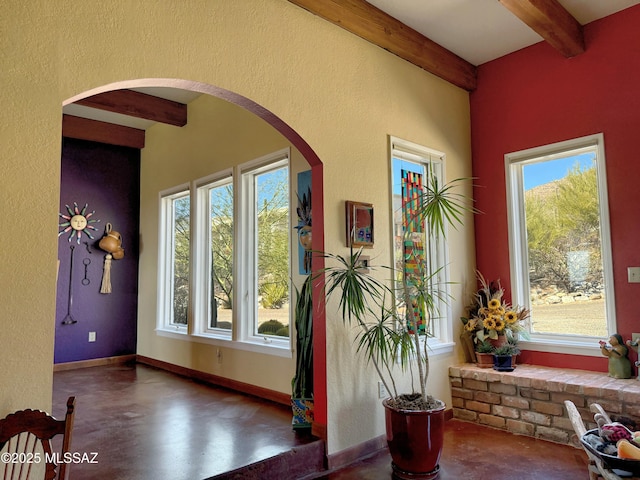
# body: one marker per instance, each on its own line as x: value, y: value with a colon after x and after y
x: 245, y: 295
x: 518, y: 251
x: 165, y: 261
x: 247, y: 301
x: 441, y: 341
x: 202, y: 251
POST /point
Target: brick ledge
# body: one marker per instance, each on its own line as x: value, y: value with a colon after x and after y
x: 529, y: 400
x: 582, y: 382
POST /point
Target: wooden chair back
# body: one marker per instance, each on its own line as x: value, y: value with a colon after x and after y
x: 25, y: 443
x: 597, y: 408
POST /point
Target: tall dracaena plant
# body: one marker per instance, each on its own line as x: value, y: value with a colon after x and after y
x: 382, y: 312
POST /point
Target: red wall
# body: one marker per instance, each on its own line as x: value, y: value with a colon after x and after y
x: 536, y: 97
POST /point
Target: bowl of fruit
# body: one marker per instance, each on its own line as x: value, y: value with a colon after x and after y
x: 616, y: 445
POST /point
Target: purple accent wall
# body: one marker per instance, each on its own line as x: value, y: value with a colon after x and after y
x: 108, y: 179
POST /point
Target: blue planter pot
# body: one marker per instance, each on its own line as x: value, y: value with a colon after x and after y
x: 503, y: 363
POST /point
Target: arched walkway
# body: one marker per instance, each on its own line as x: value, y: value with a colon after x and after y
x: 320, y: 393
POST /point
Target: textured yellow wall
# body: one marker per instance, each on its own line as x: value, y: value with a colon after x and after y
x: 29, y: 195
x: 341, y: 94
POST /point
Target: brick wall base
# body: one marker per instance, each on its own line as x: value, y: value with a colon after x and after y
x: 529, y: 400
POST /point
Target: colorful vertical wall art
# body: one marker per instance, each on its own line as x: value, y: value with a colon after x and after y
x: 413, y: 247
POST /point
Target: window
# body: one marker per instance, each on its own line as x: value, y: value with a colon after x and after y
x: 174, y: 265
x: 240, y: 260
x: 559, y: 242
x: 216, y: 249
x: 266, y: 192
x: 413, y: 166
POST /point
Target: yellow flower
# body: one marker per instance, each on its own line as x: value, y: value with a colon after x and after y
x: 499, y: 323
x: 494, y: 304
x: 489, y: 323
x: 471, y: 325
x: 511, y: 317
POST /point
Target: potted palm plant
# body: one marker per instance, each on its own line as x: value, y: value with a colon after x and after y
x: 384, y: 313
x: 302, y: 383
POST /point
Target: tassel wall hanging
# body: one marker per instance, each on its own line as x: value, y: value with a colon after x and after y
x: 112, y: 244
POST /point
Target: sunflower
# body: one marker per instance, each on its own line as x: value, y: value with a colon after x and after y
x: 511, y: 317
x: 499, y: 323
x: 489, y: 322
x: 471, y: 325
x: 494, y: 304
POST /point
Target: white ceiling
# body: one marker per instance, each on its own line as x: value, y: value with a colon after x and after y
x: 483, y: 30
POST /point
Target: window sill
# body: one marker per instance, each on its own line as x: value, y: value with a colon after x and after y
x: 436, y: 347
x: 564, y: 345
x: 280, y: 349
x: 173, y: 332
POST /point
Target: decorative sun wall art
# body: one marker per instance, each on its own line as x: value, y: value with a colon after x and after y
x: 77, y: 221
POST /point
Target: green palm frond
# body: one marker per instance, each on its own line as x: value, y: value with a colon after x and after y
x: 440, y: 206
x: 381, y: 310
x: 357, y: 288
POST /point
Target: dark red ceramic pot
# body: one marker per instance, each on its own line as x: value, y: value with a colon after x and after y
x: 415, y: 441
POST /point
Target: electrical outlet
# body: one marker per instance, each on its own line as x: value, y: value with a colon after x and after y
x: 382, y: 391
x: 364, y: 264
x: 92, y: 336
x: 633, y: 274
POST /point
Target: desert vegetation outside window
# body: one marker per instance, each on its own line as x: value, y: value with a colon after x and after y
x: 174, y: 268
x: 224, y: 256
x: 559, y: 240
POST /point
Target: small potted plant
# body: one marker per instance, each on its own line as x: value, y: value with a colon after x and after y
x: 484, y: 354
x: 503, y: 357
x: 385, y: 316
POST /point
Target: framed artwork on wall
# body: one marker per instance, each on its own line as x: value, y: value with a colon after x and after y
x: 359, y: 224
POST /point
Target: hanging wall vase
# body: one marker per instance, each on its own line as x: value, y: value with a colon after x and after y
x: 111, y: 243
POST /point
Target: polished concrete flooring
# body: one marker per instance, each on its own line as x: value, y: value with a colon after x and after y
x: 145, y: 423
x: 475, y: 452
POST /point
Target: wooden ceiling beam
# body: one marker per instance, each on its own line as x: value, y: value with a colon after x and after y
x: 379, y: 28
x: 141, y: 105
x: 97, y: 131
x: 552, y: 22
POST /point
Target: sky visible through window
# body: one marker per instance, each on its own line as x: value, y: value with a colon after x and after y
x: 541, y: 173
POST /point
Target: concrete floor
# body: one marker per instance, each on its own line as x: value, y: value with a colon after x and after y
x: 146, y: 423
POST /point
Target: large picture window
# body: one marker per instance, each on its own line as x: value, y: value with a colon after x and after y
x: 559, y: 241
x: 230, y: 280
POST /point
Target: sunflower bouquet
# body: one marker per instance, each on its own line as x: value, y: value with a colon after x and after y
x: 490, y: 316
